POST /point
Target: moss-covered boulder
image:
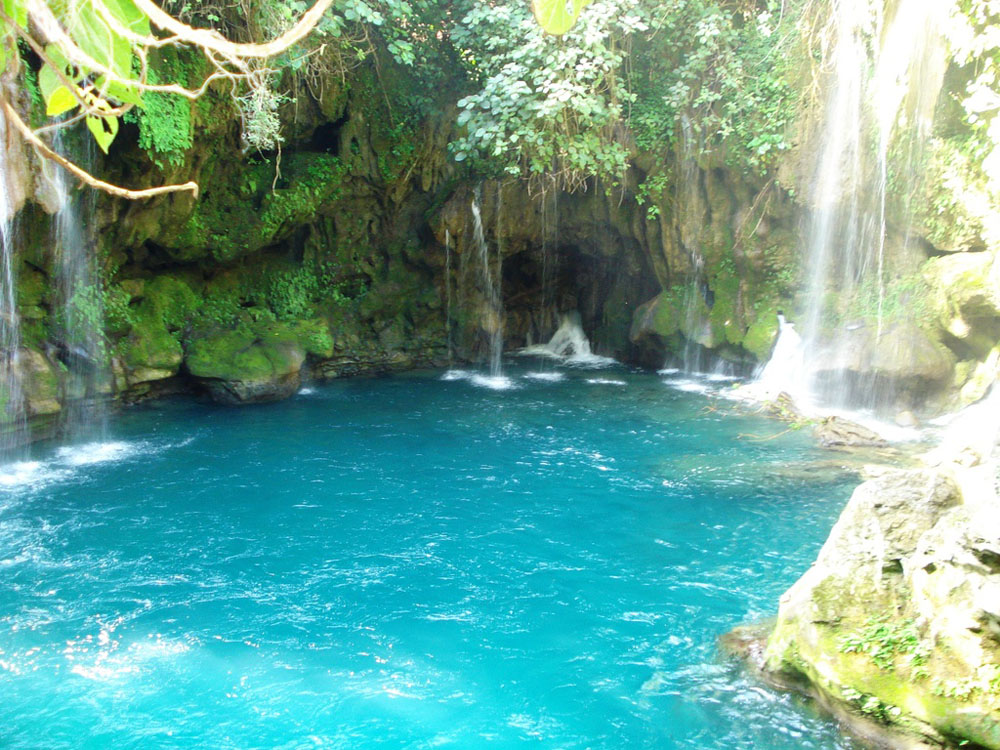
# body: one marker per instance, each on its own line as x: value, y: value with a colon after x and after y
x: 966, y: 296
x: 152, y: 350
x: 256, y: 362
x: 899, y: 618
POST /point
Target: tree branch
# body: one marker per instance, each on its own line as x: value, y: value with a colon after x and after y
x: 213, y: 40
x: 43, y: 149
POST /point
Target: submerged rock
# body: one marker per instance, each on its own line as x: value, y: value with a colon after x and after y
x: 837, y: 431
x: 899, y: 618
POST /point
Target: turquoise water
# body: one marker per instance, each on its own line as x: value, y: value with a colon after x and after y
x: 409, y: 562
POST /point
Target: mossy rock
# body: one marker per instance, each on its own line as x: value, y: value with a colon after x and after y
x: 761, y: 335
x: 150, y: 345
x: 257, y: 362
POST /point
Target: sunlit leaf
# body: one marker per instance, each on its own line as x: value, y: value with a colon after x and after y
x: 61, y: 100
x: 104, y: 130
x: 557, y: 16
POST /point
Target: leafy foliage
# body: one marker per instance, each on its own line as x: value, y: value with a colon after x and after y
x: 720, y: 80
x: 164, y: 121
x: 883, y: 640
x: 546, y: 104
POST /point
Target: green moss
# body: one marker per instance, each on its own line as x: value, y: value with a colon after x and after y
x: 166, y: 304
x: 258, y: 351
x: 150, y: 344
x: 164, y: 120
x: 725, y: 316
x: 761, y: 334
x: 241, y: 218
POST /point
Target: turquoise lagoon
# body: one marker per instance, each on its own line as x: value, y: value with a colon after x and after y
x: 414, y: 561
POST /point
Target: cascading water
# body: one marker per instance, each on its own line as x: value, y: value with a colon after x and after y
x: 570, y: 345
x: 696, y: 326
x: 81, y: 309
x: 884, y: 84
x: 14, y: 414
x: 779, y: 374
x: 493, y: 313
x: 447, y: 293
x: 550, y: 228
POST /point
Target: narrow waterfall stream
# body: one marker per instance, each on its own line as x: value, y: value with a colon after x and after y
x: 15, y: 418
x: 80, y: 299
x: 491, y: 275
x: 447, y: 294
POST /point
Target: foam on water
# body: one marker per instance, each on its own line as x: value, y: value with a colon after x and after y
x: 548, y: 377
x: 605, y: 381
x: 67, y: 461
x: 492, y: 382
x: 97, y: 453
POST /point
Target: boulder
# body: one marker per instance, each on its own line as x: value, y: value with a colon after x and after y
x: 259, y: 363
x: 898, y: 618
x: 839, y: 432
x: 966, y: 294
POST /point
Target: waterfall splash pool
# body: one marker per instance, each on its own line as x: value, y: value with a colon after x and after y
x: 409, y: 562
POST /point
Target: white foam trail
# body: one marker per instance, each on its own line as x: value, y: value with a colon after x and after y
x: 27, y: 473
x: 605, y: 381
x: 96, y: 453
x: 69, y: 459
x: 689, y: 386
x: 548, y: 377
x: 307, y: 391
x: 496, y: 383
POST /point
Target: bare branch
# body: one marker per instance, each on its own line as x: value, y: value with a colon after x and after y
x: 213, y: 40
x: 43, y: 149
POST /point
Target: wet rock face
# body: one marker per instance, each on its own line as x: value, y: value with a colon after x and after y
x: 897, y: 619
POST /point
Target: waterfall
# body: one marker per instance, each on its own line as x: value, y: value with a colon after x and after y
x: 883, y: 85
x: 493, y: 314
x: 696, y: 328
x: 781, y: 373
x: 80, y: 308
x: 14, y: 413
x: 447, y: 293
x: 550, y: 256
x: 569, y: 344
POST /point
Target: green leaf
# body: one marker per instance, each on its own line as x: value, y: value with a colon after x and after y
x: 61, y: 100
x: 557, y: 16
x: 128, y: 15
x: 120, y: 92
x: 48, y: 81
x: 104, y: 130
x: 18, y: 11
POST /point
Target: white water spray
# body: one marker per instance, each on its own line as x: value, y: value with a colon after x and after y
x: 570, y: 344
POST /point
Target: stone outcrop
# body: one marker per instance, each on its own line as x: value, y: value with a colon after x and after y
x: 898, y: 617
